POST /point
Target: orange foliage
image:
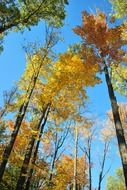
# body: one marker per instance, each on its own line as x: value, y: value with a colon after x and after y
x: 95, y: 31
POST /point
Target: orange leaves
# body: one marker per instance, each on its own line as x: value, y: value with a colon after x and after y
x: 10, y: 123
x: 95, y: 31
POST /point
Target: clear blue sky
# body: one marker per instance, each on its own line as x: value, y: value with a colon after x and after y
x: 12, y: 59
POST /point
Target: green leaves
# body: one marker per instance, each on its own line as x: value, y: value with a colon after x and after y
x: 117, y: 181
x: 120, y: 8
x: 20, y: 14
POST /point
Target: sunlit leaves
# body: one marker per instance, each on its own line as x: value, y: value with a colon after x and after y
x: 120, y: 8
x: 117, y: 181
x: 64, y: 175
x: 96, y: 32
x: 119, y: 78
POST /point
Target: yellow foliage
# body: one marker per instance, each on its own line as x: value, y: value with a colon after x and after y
x: 65, y: 86
x: 64, y: 175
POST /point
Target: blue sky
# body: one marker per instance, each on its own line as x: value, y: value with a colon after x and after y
x: 12, y: 59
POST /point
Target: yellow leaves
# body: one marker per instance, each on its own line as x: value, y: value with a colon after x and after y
x: 35, y: 58
x: 65, y: 172
x: 124, y: 31
x: 66, y: 83
x: 61, y: 83
x: 37, y: 64
x: 34, y: 132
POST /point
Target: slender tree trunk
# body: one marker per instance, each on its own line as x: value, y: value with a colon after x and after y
x: 75, y: 159
x: 3, y: 111
x: 52, y: 166
x: 35, y: 155
x: 101, y: 176
x: 118, y: 125
x: 33, y: 163
x: 90, y: 173
x: 9, y: 147
x: 25, y: 165
x: 18, y: 122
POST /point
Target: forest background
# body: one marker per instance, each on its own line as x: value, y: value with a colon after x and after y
x: 13, y: 62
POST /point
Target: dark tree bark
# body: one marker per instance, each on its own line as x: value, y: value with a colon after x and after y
x: 102, y: 175
x: 25, y: 165
x: 87, y: 151
x: 18, y: 122
x: 58, y: 144
x: 28, y: 182
x: 90, y: 166
x: 118, y: 124
x: 17, y: 125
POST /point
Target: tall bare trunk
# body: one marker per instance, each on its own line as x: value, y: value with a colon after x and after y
x: 118, y: 125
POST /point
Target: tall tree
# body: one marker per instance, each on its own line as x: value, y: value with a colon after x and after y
x: 54, y: 89
x: 25, y: 99
x: 88, y: 135
x: 106, y: 43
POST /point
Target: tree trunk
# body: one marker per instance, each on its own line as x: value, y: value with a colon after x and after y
x: 90, y: 166
x: 101, y: 176
x: 9, y: 147
x: 24, y: 168
x: 35, y: 155
x: 75, y: 159
x: 118, y: 125
x: 52, y: 166
x: 18, y: 122
x: 25, y: 165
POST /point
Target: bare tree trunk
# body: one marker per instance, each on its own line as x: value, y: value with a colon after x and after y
x: 75, y: 159
x: 24, y: 169
x: 101, y: 175
x: 118, y: 125
x: 90, y: 166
